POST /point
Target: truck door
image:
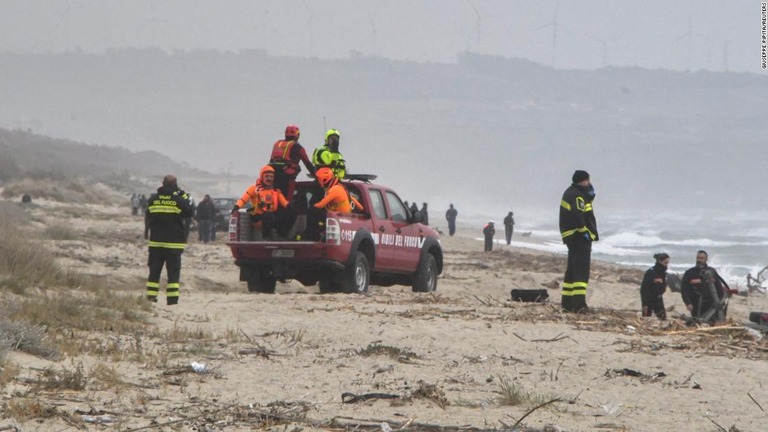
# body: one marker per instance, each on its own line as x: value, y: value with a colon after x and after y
x: 384, y: 231
x: 406, y: 250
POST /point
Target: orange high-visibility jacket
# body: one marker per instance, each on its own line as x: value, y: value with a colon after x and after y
x: 338, y: 199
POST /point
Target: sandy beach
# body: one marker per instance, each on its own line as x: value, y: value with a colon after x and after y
x: 462, y: 358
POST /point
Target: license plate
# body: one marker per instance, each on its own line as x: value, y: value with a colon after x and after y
x: 283, y: 253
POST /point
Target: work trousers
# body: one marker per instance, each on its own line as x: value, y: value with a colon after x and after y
x: 508, y: 231
x: 206, y: 230
x: 451, y: 228
x: 574, y: 295
x: 653, y: 305
x: 171, y: 259
x: 488, y: 243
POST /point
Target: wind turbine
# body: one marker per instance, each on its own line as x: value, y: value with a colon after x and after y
x: 153, y: 21
x: 477, y: 23
x: 553, y: 24
x: 689, y: 35
x: 374, y: 34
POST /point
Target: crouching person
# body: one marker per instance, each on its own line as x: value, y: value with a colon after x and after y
x: 337, y: 197
x: 653, y: 287
x: 266, y: 201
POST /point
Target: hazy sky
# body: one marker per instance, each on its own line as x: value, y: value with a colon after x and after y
x: 715, y: 35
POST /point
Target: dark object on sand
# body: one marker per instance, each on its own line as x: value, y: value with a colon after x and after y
x: 759, y: 317
x: 530, y: 295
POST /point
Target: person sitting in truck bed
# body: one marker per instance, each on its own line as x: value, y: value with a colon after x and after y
x: 266, y: 200
x: 337, y: 198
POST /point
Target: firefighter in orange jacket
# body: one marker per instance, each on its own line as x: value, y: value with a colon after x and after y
x: 266, y: 200
x: 578, y: 228
x: 337, y: 198
x: 285, y: 158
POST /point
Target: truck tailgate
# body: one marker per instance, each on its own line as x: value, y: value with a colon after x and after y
x: 266, y: 250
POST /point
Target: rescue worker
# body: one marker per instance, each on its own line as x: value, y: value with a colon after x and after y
x: 285, y: 157
x: 450, y: 216
x: 206, y: 219
x: 337, y: 198
x: 489, y: 231
x: 694, y: 289
x: 164, y: 228
x: 328, y: 155
x: 424, y: 214
x: 509, y: 227
x: 653, y: 287
x: 266, y: 199
x: 578, y: 229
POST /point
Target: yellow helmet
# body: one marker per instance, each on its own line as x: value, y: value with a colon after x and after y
x: 331, y: 132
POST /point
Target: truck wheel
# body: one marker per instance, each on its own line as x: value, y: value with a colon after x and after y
x: 327, y: 286
x: 426, y: 277
x: 261, y: 281
x: 357, y: 278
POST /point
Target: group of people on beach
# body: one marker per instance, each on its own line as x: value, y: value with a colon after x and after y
x: 702, y: 289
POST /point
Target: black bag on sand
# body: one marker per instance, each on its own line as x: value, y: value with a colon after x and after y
x: 530, y: 295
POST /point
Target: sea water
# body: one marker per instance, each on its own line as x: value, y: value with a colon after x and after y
x: 736, y: 241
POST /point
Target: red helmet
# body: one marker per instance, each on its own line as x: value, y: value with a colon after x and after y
x: 325, y: 177
x: 292, y: 131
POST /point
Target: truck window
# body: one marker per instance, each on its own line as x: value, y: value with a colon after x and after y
x: 396, y: 207
x: 377, y: 202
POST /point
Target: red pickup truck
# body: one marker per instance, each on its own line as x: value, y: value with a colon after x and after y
x: 383, y: 244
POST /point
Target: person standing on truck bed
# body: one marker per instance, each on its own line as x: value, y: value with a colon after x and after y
x: 328, y: 155
x: 285, y: 158
x: 337, y: 198
x: 266, y: 200
x: 164, y: 227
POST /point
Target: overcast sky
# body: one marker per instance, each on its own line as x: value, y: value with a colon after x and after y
x: 714, y: 35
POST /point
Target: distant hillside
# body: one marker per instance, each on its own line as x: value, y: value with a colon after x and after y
x: 487, y: 132
x: 25, y: 153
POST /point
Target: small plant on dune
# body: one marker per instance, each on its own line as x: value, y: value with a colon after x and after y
x: 64, y: 379
x: 24, y: 337
x: 108, y: 376
x: 26, y: 408
x: 60, y: 231
x: 511, y: 394
x: 377, y: 348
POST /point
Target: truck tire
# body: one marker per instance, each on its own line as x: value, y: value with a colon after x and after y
x: 357, y: 278
x: 426, y: 276
x: 328, y: 285
x: 261, y: 281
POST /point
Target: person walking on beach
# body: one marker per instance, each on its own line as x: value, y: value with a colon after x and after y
x: 489, y: 231
x: 653, y: 287
x: 450, y: 216
x: 164, y: 228
x: 509, y: 227
x: 695, y: 290
x: 578, y: 229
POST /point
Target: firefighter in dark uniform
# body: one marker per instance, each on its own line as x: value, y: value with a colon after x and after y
x: 164, y: 227
x: 578, y: 229
x: 694, y: 290
x: 653, y: 287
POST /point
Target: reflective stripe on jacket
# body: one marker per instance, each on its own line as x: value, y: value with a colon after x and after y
x: 165, y: 215
x: 576, y: 215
